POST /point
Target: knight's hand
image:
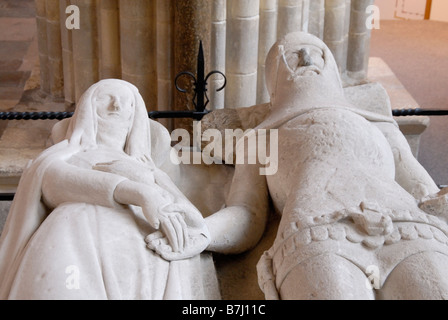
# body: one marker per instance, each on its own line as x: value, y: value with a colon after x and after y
x: 194, y: 244
x: 436, y: 204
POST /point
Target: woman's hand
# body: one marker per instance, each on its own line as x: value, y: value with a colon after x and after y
x: 172, y: 227
x: 181, y: 230
x: 194, y: 245
x: 149, y: 198
x: 436, y: 204
x: 174, y: 240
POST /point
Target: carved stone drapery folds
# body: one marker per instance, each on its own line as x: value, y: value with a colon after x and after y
x: 147, y: 42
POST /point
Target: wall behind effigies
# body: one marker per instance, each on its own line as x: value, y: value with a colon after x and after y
x: 148, y: 42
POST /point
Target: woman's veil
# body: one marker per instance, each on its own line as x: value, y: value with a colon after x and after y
x: 69, y: 137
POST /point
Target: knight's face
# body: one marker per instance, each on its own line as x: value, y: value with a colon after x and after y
x: 300, y: 60
x: 306, y: 61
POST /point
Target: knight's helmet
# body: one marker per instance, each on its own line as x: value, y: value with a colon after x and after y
x: 289, y: 59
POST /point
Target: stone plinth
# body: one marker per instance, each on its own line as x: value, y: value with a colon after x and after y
x: 412, y: 126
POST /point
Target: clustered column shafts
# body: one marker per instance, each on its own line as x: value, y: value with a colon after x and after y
x: 165, y: 57
x: 242, y: 52
x: 50, y: 47
x: 346, y: 36
x: 316, y: 21
x: 334, y: 30
x: 148, y: 42
x: 218, y: 52
x: 54, y: 50
x: 41, y: 22
x: 109, y: 42
x: 293, y: 15
x: 268, y: 36
x: 85, y: 47
x: 359, y: 40
x: 138, y: 47
x: 67, y: 56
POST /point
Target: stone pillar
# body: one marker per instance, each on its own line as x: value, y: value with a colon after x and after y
x: 242, y: 52
x: 217, y: 53
x: 54, y: 47
x: 191, y: 25
x: 317, y: 18
x: 335, y: 14
x: 67, y: 56
x: 345, y: 33
x: 165, y: 61
x: 292, y: 16
x: 305, y: 15
x: 268, y: 36
x: 109, y: 39
x: 85, y: 47
x: 41, y: 20
x: 138, y: 47
x: 359, y: 40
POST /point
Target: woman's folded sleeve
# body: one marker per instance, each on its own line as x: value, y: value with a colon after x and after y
x: 63, y: 183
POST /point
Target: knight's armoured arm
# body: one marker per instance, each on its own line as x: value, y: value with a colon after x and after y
x: 409, y: 173
x: 239, y: 226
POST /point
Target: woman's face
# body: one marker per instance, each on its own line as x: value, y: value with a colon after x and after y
x: 115, y: 104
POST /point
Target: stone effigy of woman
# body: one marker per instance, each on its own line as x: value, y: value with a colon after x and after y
x: 94, y: 216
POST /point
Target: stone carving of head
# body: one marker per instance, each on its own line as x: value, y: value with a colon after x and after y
x: 114, y: 103
x: 300, y: 62
x: 115, y: 106
x: 111, y: 109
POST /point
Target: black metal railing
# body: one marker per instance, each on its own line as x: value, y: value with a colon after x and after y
x: 418, y: 112
x: 194, y: 114
x: 13, y: 115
